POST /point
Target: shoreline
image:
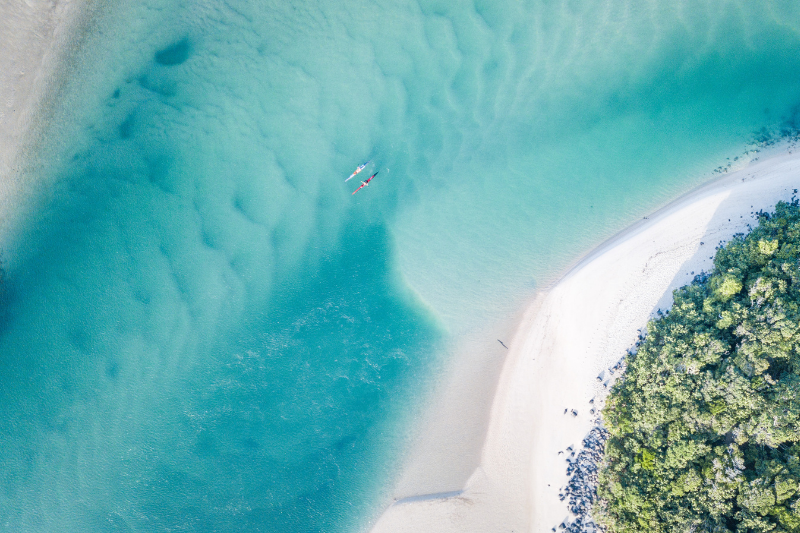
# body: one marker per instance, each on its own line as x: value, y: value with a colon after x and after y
x: 569, y: 337
x: 496, y: 486
x: 40, y: 39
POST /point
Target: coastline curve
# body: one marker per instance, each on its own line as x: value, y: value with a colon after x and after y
x: 569, y: 338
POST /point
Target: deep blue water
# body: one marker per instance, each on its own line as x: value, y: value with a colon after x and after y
x: 203, y: 330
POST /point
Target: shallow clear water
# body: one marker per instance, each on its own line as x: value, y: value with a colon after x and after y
x: 204, y: 331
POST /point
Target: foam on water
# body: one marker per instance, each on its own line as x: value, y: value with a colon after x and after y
x: 204, y: 331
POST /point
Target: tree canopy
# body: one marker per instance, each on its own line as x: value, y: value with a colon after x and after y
x: 704, y: 425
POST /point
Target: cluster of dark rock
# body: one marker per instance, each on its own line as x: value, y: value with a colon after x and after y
x: 788, y: 132
x: 582, y: 487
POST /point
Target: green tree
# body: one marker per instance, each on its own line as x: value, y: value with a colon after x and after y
x: 704, y: 425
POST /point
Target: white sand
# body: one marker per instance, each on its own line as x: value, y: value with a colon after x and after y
x: 37, y: 38
x: 571, y: 334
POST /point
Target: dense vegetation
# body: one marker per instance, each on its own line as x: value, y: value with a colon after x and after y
x: 704, y: 427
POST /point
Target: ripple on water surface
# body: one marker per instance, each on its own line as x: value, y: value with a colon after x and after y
x: 203, y: 329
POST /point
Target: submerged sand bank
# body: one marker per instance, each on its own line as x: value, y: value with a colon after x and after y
x: 571, y: 335
x: 37, y: 38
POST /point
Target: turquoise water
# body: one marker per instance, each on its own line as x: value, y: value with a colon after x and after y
x: 202, y: 330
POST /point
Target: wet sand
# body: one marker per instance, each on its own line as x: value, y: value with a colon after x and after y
x: 37, y: 39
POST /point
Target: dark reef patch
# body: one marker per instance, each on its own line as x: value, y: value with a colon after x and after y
x: 174, y: 54
x: 126, y: 127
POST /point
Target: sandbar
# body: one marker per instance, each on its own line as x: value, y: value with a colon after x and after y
x: 38, y: 39
x: 564, y: 345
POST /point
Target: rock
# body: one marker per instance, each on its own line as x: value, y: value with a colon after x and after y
x: 581, y: 491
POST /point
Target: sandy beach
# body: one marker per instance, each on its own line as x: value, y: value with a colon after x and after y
x: 564, y: 346
x: 38, y: 38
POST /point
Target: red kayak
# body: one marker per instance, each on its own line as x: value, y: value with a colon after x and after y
x: 365, y: 183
